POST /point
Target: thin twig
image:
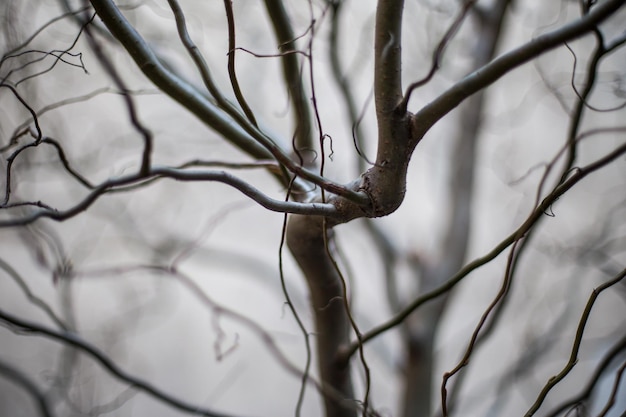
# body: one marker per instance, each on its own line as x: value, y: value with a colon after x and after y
x: 438, y: 54
x: 129, y: 101
x: 430, y: 114
x: 294, y: 312
x: 576, y: 177
x: 580, y: 331
x: 232, y: 73
x: 243, y: 134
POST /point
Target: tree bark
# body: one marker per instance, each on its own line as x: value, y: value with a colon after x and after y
x: 306, y: 239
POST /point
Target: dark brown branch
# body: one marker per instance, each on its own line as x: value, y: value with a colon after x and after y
x: 170, y: 83
x: 17, y: 278
x: 28, y: 40
x: 343, y: 82
x: 438, y: 52
x: 577, y: 114
x: 296, y: 315
x: 16, y: 376
x: 585, y: 394
x: 504, y: 289
x: 129, y: 102
x: 9, y: 170
x: 307, y: 243
x: 430, y: 114
x: 18, y: 131
x: 580, y: 331
x: 27, y: 107
x: 462, y: 166
x: 232, y: 73
x: 58, y: 55
x: 539, y: 211
x: 203, y: 68
x: 66, y: 164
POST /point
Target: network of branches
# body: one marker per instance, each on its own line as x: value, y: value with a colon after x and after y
x: 133, y: 131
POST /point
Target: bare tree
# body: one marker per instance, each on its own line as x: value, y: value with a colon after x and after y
x: 482, y: 294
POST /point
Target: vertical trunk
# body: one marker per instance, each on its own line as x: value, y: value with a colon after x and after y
x: 421, y: 328
x: 305, y: 238
x: 418, y: 371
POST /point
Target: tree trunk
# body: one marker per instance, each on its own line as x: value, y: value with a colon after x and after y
x: 307, y: 241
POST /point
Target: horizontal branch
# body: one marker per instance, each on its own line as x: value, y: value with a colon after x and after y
x: 430, y: 114
x: 320, y: 209
x: 134, y: 180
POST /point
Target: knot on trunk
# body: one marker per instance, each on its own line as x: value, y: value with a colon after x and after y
x: 385, y: 187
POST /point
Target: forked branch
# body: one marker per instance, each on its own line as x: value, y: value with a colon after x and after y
x: 430, y: 114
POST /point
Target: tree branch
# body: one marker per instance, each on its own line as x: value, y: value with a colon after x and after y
x: 539, y: 211
x: 101, y: 357
x: 110, y: 69
x: 343, y: 83
x: 388, y: 58
x: 430, y: 114
x: 232, y: 72
x: 307, y: 243
x: 292, y: 73
x: 43, y: 306
x: 585, y: 394
x: 243, y: 135
x: 18, y: 377
x: 385, y: 182
x: 204, y: 71
x: 111, y: 185
x: 576, y: 344
x: 172, y: 85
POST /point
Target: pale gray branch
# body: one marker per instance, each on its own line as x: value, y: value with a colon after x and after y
x: 245, y: 136
x: 174, y: 86
x: 118, y: 184
x: 94, y: 352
